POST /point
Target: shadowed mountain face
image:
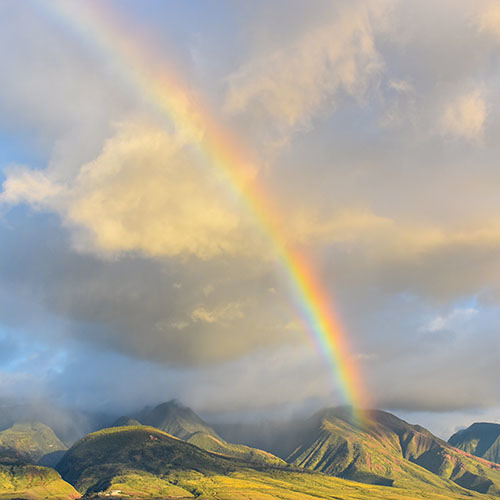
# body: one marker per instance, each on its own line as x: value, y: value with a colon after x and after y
x: 125, y: 421
x: 182, y: 422
x: 176, y: 419
x: 480, y: 439
x: 387, y: 450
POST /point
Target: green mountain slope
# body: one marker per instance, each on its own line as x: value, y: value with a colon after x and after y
x: 19, y: 479
x: 30, y: 441
x: 387, y: 450
x: 144, y: 462
x: 91, y: 462
x: 182, y: 422
x: 481, y: 439
x: 68, y: 424
x: 176, y: 419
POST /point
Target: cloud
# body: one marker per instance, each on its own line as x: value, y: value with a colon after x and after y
x: 145, y: 192
x: 23, y: 185
x: 223, y: 314
x: 401, y: 86
x: 403, y: 254
x: 292, y: 84
x: 134, y: 262
x: 465, y: 116
x: 488, y: 18
x: 134, y: 305
x: 455, y: 319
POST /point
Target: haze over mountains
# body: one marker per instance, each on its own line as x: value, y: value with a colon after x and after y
x: 169, y: 451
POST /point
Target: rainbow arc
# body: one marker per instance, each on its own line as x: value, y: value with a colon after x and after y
x: 164, y: 89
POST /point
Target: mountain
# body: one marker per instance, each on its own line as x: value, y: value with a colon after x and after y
x: 480, y: 439
x: 125, y: 421
x: 176, y: 419
x: 279, y: 437
x: 19, y: 479
x: 68, y: 424
x: 32, y: 441
x: 136, y: 455
x: 182, y: 422
x: 143, y: 462
x: 379, y: 457
x: 387, y: 450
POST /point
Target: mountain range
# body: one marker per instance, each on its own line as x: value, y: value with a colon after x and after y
x: 170, y: 452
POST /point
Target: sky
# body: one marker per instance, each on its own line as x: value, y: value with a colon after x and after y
x: 131, y: 272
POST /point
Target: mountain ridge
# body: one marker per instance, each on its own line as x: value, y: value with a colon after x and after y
x: 386, y: 450
x: 182, y: 422
x: 32, y: 441
x: 385, y: 456
x: 481, y: 439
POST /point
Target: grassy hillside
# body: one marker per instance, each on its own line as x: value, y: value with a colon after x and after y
x: 30, y: 441
x: 261, y: 485
x: 117, y: 451
x: 143, y: 462
x: 272, y: 485
x: 68, y: 424
x: 387, y: 450
x: 218, y: 445
x: 22, y: 480
x: 480, y: 439
x: 182, y: 422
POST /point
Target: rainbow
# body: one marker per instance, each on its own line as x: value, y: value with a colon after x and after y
x: 170, y: 97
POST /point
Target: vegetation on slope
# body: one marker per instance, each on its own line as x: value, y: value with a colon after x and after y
x: 143, y: 462
x: 184, y: 423
x: 30, y: 441
x: 274, y: 484
x: 481, y: 439
x: 92, y: 462
x: 387, y: 450
x: 19, y: 479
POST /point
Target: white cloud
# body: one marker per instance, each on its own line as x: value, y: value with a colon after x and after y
x: 145, y: 192
x: 464, y: 117
x: 23, y: 185
x: 291, y: 84
x: 488, y: 18
x: 221, y: 314
x: 455, y: 319
x: 401, y: 86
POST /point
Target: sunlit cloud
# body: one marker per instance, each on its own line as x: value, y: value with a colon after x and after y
x: 488, y: 19
x: 293, y: 84
x: 465, y: 116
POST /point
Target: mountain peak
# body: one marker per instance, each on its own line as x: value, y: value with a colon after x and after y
x: 177, y: 419
x: 481, y: 439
